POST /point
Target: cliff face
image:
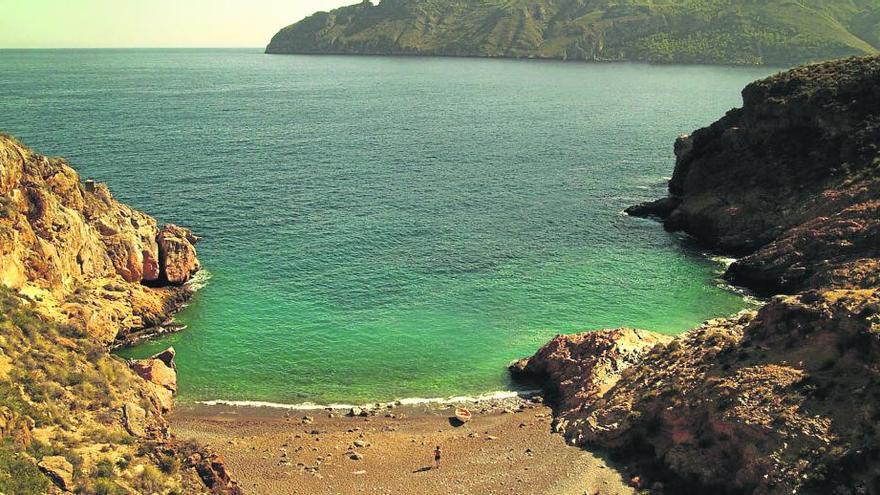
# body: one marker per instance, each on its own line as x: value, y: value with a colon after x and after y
x: 780, y: 400
x: 79, y: 273
x: 93, y: 262
x: 791, y: 179
x: 700, y: 31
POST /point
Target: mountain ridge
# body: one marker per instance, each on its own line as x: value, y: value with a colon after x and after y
x: 774, y: 32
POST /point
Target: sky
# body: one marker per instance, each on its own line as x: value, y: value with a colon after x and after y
x: 149, y: 23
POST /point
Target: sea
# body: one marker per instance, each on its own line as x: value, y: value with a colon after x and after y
x: 386, y: 228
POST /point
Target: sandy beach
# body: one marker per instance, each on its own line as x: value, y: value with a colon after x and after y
x: 507, y: 448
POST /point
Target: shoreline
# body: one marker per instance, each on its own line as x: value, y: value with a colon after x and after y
x: 532, y: 58
x: 458, y: 400
x: 508, y: 447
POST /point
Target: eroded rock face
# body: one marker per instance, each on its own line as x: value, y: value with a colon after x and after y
x: 214, y: 473
x: 584, y: 366
x: 835, y: 251
x: 84, y: 254
x: 177, y: 254
x: 135, y: 419
x: 59, y: 470
x: 79, y: 273
x: 763, y: 402
x: 792, y: 178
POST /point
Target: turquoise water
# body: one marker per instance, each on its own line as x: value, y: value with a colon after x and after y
x: 380, y: 228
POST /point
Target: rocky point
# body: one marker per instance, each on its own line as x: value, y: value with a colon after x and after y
x: 81, y: 273
x: 784, y: 399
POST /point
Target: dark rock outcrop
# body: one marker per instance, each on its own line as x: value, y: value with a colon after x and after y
x: 791, y: 179
x: 784, y: 399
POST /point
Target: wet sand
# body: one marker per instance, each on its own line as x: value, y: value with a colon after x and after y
x: 507, y: 448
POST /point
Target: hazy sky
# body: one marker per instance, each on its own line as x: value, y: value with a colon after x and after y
x: 149, y: 23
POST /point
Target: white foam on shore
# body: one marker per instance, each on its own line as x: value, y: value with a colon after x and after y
x: 199, y: 280
x: 725, y: 261
x: 409, y: 401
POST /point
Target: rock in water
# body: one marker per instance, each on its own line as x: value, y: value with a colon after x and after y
x: 79, y: 273
x: 178, y: 255
x: 89, y: 256
x: 783, y: 399
x: 659, y: 208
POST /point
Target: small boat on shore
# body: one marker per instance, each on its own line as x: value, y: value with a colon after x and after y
x: 462, y: 414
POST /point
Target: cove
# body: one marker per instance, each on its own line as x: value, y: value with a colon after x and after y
x: 378, y: 228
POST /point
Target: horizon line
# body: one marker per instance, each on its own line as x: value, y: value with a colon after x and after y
x: 127, y: 47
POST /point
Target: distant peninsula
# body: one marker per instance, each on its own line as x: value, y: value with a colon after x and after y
x: 752, y: 32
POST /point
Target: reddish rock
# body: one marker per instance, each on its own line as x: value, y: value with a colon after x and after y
x: 177, y: 253
x: 167, y: 357
x: 158, y: 369
x: 586, y: 365
x: 151, y: 271
x: 214, y: 473
x: 785, y: 399
x: 755, y: 403
x: 71, y: 242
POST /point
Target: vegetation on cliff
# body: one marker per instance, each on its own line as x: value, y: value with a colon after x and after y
x: 683, y: 31
x: 784, y: 399
x: 80, y: 272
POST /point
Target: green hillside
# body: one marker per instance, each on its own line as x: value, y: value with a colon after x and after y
x: 778, y: 32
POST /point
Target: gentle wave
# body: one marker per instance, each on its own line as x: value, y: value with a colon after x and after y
x: 410, y: 401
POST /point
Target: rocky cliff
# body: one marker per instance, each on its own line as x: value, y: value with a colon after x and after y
x: 80, y: 273
x: 784, y: 399
x: 91, y: 261
x: 790, y: 180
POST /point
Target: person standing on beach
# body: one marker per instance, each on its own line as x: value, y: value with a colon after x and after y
x: 437, y: 454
